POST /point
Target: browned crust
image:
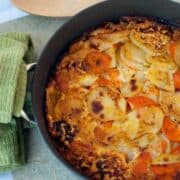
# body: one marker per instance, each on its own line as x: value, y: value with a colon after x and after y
x: 82, y: 152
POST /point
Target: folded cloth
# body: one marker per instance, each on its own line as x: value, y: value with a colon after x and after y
x: 11, y: 146
x: 16, y: 49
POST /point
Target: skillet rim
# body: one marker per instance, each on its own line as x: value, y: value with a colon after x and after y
x: 44, y: 64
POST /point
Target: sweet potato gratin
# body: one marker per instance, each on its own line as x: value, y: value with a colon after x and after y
x: 113, y: 103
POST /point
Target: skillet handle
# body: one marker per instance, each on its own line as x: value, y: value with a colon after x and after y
x: 24, y: 112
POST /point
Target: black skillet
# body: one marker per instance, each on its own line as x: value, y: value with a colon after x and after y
x: 165, y: 11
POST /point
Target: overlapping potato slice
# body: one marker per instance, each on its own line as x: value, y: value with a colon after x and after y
x: 122, y: 104
x: 87, y: 80
x: 127, y: 147
x: 151, y: 142
x: 166, y: 159
x: 102, y: 105
x: 104, y: 41
x: 131, y: 88
x: 162, y: 62
x: 131, y: 126
x: 112, y: 53
x: 153, y: 42
x: 126, y: 73
x: 170, y: 104
x: 116, y: 37
x: 150, y: 91
x: 133, y: 56
x: 159, y: 76
x: 151, y: 119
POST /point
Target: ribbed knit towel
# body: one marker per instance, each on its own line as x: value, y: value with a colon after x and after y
x: 16, y: 49
x: 11, y: 146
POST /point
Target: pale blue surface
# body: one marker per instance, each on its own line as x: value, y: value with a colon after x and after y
x: 7, y: 176
x: 9, y: 12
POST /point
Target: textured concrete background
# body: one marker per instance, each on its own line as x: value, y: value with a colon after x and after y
x: 41, y: 163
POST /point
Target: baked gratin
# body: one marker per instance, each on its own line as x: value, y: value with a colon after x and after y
x: 113, y: 103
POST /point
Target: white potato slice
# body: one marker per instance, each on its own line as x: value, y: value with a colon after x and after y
x: 162, y: 62
x: 100, y: 44
x: 122, y: 104
x: 151, y: 142
x: 133, y: 57
x: 87, y: 80
x: 131, y: 88
x: 170, y: 104
x: 126, y: 73
x: 151, y: 119
x: 106, y: 41
x: 102, y: 105
x: 161, y: 78
x: 131, y: 126
x: 141, y: 76
x: 128, y: 127
x: 125, y: 146
x: 150, y: 91
x: 116, y: 37
x: 112, y: 53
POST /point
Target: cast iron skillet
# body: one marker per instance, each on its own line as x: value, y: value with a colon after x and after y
x: 162, y: 10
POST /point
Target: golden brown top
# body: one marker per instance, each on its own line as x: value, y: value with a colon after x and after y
x: 113, y: 105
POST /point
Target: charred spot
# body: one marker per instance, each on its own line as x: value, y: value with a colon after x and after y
x: 93, y: 45
x: 133, y: 85
x: 109, y: 25
x: 85, y: 66
x: 177, y: 176
x: 101, y: 93
x: 170, y: 107
x: 63, y: 131
x: 110, y: 138
x: 102, y: 116
x: 128, y: 107
x: 97, y: 106
x: 75, y: 64
x: 86, y: 35
x: 177, y: 90
x: 100, y: 166
x: 108, y: 167
x: 166, y: 159
x: 148, y: 29
x: 98, y: 62
x: 84, y: 168
x: 128, y: 19
x: 76, y: 110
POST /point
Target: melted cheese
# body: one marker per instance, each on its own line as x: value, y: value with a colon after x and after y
x: 90, y: 95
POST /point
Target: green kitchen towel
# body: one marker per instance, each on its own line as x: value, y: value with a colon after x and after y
x: 11, y: 146
x: 16, y: 49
